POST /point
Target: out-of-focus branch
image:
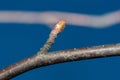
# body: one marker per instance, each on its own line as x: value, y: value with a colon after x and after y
x: 51, y: 17
x: 41, y: 59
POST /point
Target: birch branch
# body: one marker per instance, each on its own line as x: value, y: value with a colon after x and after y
x: 41, y: 59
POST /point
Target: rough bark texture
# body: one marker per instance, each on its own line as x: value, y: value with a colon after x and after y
x: 40, y: 60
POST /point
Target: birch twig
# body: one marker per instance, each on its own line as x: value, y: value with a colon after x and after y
x: 41, y: 59
x: 55, y: 31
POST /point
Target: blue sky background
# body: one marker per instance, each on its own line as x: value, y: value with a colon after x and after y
x: 18, y: 41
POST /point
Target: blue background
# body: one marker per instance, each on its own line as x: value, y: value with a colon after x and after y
x: 18, y: 41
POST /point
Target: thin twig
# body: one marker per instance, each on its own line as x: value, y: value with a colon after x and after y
x: 59, y: 57
x: 55, y: 31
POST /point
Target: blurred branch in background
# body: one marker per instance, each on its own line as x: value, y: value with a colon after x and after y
x: 51, y: 17
x: 42, y: 58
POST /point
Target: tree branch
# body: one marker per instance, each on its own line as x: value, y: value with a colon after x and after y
x: 41, y: 59
x: 59, y: 57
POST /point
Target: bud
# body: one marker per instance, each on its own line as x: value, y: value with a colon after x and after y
x: 59, y: 26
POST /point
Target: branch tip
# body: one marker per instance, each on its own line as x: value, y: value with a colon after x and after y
x: 59, y: 27
x: 55, y: 31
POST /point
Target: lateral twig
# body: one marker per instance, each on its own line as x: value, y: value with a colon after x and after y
x: 55, y: 31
